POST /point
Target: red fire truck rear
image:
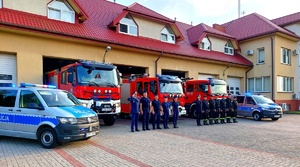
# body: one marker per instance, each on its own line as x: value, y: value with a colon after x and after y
x: 96, y: 85
x: 162, y: 85
x: 203, y: 87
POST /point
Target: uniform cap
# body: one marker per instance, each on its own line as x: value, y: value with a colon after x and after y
x: 134, y: 93
x: 223, y: 95
x: 145, y: 91
x: 229, y: 93
x: 166, y: 96
x: 205, y: 96
x: 235, y: 97
x: 175, y: 96
x: 155, y: 94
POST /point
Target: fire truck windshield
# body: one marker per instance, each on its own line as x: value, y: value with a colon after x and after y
x: 218, y: 89
x: 97, y: 76
x: 171, y: 87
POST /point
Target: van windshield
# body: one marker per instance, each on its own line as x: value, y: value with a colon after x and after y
x: 262, y: 99
x: 58, y: 98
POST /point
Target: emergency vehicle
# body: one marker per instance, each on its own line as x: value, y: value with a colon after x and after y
x: 96, y: 85
x: 258, y: 107
x: 203, y: 87
x: 48, y: 115
x: 162, y: 85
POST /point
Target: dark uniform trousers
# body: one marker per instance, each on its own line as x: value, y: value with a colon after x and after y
x: 222, y: 110
x: 205, y: 107
x: 146, y: 115
x: 234, y: 113
x: 217, y: 113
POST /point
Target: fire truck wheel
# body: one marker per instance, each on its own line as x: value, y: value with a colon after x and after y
x: 109, y: 121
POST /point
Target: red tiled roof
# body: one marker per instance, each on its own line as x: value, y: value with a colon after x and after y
x: 196, y: 32
x: 253, y: 25
x: 95, y: 28
x: 286, y: 20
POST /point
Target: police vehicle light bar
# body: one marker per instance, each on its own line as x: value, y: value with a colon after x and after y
x: 24, y: 85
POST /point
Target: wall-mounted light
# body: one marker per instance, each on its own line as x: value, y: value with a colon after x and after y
x: 107, y: 49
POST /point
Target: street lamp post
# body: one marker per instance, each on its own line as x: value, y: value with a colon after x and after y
x: 107, y: 49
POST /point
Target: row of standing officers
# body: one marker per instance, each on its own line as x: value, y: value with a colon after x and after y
x: 211, y: 110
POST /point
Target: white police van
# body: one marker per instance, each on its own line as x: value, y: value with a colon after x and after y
x: 46, y: 114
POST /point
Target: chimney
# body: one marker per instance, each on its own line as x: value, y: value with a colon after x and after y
x: 219, y: 27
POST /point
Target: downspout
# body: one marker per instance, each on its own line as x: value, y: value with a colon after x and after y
x: 161, y: 53
x: 247, y: 76
x: 272, y: 72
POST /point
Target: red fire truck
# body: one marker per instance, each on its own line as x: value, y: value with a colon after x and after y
x: 163, y: 85
x: 203, y: 87
x: 96, y: 85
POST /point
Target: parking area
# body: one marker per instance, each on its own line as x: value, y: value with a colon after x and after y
x: 248, y: 143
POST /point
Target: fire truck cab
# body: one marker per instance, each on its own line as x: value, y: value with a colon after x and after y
x: 96, y: 85
x: 203, y: 87
x: 162, y: 85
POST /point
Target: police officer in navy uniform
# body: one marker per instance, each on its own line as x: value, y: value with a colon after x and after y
x: 205, y: 108
x: 223, y: 109
x: 175, y: 111
x: 145, y: 110
x: 156, y: 107
x: 217, y: 113
x: 198, y: 109
x: 229, y: 108
x: 212, y: 107
x: 134, y: 111
x: 165, y: 108
x: 235, y: 107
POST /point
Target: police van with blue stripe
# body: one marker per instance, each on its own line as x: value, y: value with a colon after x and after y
x: 48, y: 115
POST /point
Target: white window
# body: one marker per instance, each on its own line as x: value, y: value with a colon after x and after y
x: 60, y: 10
x: 285, y: 56
x: 128, y: 26
x: 167, y: 35
x: 261, y: 84
x: 228, y: 49
x: 284, y: 84
x: 205, y: 44
x: 261, y: 56
x: 0, y: 3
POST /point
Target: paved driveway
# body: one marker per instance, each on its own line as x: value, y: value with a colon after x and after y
x: 248, y: 143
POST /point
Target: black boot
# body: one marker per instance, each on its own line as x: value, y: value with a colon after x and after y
x: 234, y: 120
x: 217, y: 121
x: 212, y: 121
x: 206, y: 122
x: 228, y: 120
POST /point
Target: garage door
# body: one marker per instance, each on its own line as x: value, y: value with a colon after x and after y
x: 234, y: 85
x: 8, y: 69
x: 205, y: 76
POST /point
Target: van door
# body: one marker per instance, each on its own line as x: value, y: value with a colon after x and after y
x: 28, y: 115
x: 249, y: 106
x: 241, y: 107
x: 7, y: 104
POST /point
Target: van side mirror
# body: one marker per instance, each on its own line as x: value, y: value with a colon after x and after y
x: 70, y: 78
x: 70, y: 69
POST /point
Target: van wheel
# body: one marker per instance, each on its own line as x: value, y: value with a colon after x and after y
x: 109, y: 121
x: 194, y: 113
x: 274, y: 119
x: 47, y: 138
x: 256, y: 116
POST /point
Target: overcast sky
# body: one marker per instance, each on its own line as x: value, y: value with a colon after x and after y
x: 216, y: 11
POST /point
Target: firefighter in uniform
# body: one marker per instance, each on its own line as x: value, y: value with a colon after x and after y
x: 198, y: 109
x: 223, y: 109
x: 134, y: 111
x: 205, y: 108
x: 229, y: 108
x: 212, y: 108
x: 156, y: 112
x: 165, y: 108
x: 235, y: 107
x: 175, y: 111
x: 217, y: 113
x: 145, y: 110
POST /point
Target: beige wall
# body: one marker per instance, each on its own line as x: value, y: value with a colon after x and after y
x: 26, y: 6
x: 217, y: 44
x: 148, y: 28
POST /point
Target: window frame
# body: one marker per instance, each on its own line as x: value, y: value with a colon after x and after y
x: 61, y: 12
x: 229, y: 48
x: 169, y: 33
x: 287, y: 84
x: 258, y: 56
x: 129, y: 26
x: 263, y: 80
x: 286, y: 60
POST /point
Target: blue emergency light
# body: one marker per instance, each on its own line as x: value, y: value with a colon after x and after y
x: 24, y: 85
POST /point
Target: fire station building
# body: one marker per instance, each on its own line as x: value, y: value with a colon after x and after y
x: 48, y: 34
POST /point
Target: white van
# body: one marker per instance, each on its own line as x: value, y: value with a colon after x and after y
x: 46, y: 114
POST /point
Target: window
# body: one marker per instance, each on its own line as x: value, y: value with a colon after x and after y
x: 63, y: 77
x: 284, y: 84
x: 190, y: 88
x: 205, y: 44
x: 228, y: 49
x: 8, y: 98
x: 167, y: 35
x: 285, y: 56
x: 60, y: 10
x: 28, y: 99
x: 139, y: 88
x: 0, y: 3
x: 128, y: 26
x: 261, y: 56
x: 261, y: 84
